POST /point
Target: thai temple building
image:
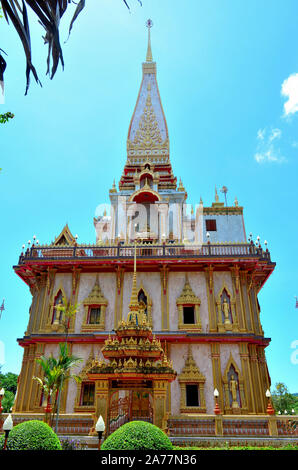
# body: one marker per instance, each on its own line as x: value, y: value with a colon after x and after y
x: 167, y: 302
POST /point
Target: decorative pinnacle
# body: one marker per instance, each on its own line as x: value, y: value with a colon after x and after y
x: 149, y: 24
x: 134, y: 302
x: 216, y: 195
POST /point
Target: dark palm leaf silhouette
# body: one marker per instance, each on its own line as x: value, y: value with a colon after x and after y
x: 49, y: 14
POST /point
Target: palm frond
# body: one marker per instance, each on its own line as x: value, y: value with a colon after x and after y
x: 49, y: 14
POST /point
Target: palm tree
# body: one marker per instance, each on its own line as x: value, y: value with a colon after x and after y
x: 66, y: 362
x: 56, y: 372
x: 49, y: 381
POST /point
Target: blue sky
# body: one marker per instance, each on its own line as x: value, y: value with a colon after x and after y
x: 227, y: 73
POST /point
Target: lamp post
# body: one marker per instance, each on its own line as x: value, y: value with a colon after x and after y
x: 100, y: 428
x: 2, y: 392
x: 217, y: 410
x: 7, y: 427
x: 270, y: 409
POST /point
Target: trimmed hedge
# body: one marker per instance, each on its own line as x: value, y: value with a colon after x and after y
x: 137, y: 435
x: 32, y: 435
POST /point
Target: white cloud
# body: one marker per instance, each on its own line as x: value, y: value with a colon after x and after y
x: 275, y: 134
x: 261, y: 134
x: 289, y: 89
x: 267, y: 151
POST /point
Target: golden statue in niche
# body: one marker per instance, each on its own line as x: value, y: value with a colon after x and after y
x: 226, y: 311
x: 233, y: 389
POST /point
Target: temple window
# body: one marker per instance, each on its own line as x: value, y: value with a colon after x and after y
x: 95, y: 309
x: 211, y: 225
x: 189, y: 315
x: 87, y: 394
x: 192, y: 395
x: 188, y: 305
x: 94, y: 315
x: 192, y: 387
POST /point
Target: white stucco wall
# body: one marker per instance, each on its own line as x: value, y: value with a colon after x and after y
x: 230, y: 228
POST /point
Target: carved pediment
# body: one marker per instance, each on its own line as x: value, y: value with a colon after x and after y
x: 188, y: 296
x: 190, y: 371
x: 96, y: 296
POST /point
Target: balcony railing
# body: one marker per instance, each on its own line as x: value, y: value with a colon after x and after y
x: 143, y: 250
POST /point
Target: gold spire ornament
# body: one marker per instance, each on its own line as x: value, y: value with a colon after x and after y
x: 149, y: 24
x: 216, y: 195
x: 113, y: 189
x: 134, y: 302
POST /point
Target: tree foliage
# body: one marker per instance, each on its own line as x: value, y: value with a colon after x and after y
x: 283, y: 400
x: 6, y: 117
x: 49, y: 14
x: 9, y: 382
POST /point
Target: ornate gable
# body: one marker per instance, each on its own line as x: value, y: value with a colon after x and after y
x: 96, y: 297
x: 187, y: 296
x: 65, y: 238
x: 190, y: 372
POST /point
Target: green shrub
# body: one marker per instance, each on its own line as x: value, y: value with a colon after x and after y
x: 137, y: 435
x: 32, y: 435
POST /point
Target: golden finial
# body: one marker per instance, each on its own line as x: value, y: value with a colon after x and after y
x: 181, y: 187
x: 149, y: 24
x: 236, y: 201
x: 216, y: 195
x: 113, y: 189
x: 201, y: 200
